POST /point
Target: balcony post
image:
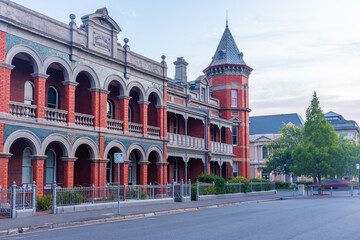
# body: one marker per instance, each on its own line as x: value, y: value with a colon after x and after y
x: 144, y: 115
x: 39, y: 93
x: 70, y: 100
x: 124, y: 108
x: 186, y: 126
x: 5, y: 72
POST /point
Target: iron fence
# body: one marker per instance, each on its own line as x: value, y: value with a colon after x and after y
x: 319, y: 190
x: 181, y: 190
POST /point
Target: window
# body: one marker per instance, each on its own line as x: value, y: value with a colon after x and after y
x: 264, y: 152
x: 26, y: 166
x: 213, y: 167
x: 110, y: 110
x: 202, y: 94
x: 29, y: 92
x: 235, y: 168
x: 235, y: 136
x: 109, y: 169
x: 176, y: 125
x: 234, y: 98
x: 221, y: 55
x: 130, y: 111
x: 53, y: 98
x: 212, y: 133
x: 50, y: 167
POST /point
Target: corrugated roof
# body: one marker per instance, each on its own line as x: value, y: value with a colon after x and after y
x: 227, y: 52
x: 273, y: 123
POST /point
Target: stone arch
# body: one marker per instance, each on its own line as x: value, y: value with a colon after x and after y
x: 160, y: 100
x: 92, y: 146
x: 119, y: 81
x: 55, y: 137
x: 94, y: 79
x: 114, y: 144
x: 157, y: 150
x: 67, y: 71
x: 137, y: 85
x: 30, y: 138
x: 34, y: 56
x: 136, y: 146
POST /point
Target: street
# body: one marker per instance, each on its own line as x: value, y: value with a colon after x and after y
x: 319, y: 218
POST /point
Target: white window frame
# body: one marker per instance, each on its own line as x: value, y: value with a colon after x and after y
x: 235, y: 133
x: 29, y: 100
x: 52, y: 167
x: 26, y: 167
x: 235, y: 168
x: 234, y: 97
x: 109, y: 108
x: 56, y: 105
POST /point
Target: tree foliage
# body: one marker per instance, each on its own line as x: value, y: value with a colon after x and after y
x: 319, y: 153
x: 280, y: 158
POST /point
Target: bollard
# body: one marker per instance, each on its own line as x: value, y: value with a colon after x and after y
x: 331, y: 191
x: 352, y: 190
x: 182, y: 190
x: 34, y: 198
x: 13, y: 200
x: 53, y: 208
x: 311, y: 191
x: 150, y: 191
x: 197, y: 189
x: 294, y: 192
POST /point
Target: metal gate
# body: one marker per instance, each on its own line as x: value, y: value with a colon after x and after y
x: 5, y: 200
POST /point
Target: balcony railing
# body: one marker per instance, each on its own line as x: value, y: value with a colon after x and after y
x: 180, y: 141
x: 22, y: 110
x: 221, y: 147
x: 153, y: 131
x: 135, y: 127
x: 115, y: 124
x: 84, y: 119
x: 55, y: 115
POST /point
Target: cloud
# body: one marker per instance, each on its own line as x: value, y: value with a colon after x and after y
x: 134, y: 14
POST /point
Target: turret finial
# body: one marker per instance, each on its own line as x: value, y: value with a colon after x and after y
x: 227, y: 22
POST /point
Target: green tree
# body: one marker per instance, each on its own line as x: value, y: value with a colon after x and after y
x: 319, y: 154
x: 280, y: 158
x: 352, y: 154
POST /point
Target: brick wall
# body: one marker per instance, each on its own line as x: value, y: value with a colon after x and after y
x: 83, y: 95
x: 55, y: 78
x: 82, y: 166
x: 19, y: 75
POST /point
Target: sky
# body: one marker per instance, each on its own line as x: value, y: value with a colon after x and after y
x: 295, y: 47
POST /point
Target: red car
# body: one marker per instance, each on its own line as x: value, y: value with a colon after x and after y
x: 337, y: 183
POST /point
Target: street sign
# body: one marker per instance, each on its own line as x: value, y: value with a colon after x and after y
x: 119, y: 157
x: 357, y: 166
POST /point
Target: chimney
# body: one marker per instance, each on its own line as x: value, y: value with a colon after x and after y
x: 180, y: 69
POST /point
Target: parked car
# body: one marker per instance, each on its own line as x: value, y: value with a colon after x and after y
x: 336, y: 183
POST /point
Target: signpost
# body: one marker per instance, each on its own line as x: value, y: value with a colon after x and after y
x: 119, y: 158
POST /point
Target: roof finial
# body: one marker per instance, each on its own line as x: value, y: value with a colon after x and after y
x: 227, y: 25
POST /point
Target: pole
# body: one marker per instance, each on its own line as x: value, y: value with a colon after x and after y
x: 358, y: 180
x: 118, y: 188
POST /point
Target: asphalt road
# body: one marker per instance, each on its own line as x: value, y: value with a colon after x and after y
x: 316, y: 218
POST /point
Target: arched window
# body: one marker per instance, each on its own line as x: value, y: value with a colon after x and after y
x: 109, y: 170
x: 176, y: 125
x: 26, y: 166
x: 264, y: 152
x: 50, y: 167
x: 130, y: 111
x: 110, y: 109
x: 53, y: 97
x: 29, y: 92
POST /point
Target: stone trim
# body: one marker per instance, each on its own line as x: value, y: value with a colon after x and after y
x: 68, y: 159
x: 5, y: 155
x: 161, y: 106
x: 162, y: 164
x: 65, y: 83
x: 39, y: 75
x: 99, y: 90
x: 38, y: 157
x: 143, y: 163
x: 237, y: 109
x: 144, y: 102
x: 99, y: 160
x: 6, y: 66
x: 124, y: 97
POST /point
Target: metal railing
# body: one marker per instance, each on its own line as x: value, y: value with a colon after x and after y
x: 180, y: 141
x: 84, y: 119
x: 55, y: 115
x: 16, y: 198
x: 115, y: 124
x: 154, y: 131
x: 181, y: 190
x: 221, y: 147
x: 22, y: 110
x: 135, y: 127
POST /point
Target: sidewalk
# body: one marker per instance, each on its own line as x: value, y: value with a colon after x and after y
x: 19, y: 225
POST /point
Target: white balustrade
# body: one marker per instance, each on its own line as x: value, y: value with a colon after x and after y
x: 221, y: 147
x: 114, y: 124
x: 22, y: 110
x: 192, y: 142
x: 55, y: 115
x: 84, y: 119
x: 154, y: 131
x: 135, y: 127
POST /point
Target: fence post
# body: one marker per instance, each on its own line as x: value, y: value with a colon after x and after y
x: 261, y: 186
x: 182, y: 190
x: 173, y: 189
x: 226, y: 186
x: 150, y: 191
x: 13, y: 200
x: 53, y: 208
x: 124, y: 192
x: 190, y: 189
x: 331, y: 191
x: 352, y: 190
x: 251, y: 188
x: 311, y: 191
x: 294, y: 192
x: 138, y: 193
x: 197, y: 189
x: 240, y: 187
x: 34, y: 198
x: 93, y: 193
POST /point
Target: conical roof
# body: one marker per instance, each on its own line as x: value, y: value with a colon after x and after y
x: 227, y: 52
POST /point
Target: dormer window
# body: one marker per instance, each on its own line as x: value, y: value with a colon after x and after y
x: 221, y: 55
x: 202, y: 94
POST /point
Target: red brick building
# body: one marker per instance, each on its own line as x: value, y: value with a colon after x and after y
x: 72, y: 96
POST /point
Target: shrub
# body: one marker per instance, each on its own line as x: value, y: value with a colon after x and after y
x: 193, y: 191
x: 258, y: 180
x: 133, y: 194
x: 304, y: 182
x: 43, y: 203
x: 245, y: 184
x: 73, y: 197
x: 219, y: 181
x: 282, y: 185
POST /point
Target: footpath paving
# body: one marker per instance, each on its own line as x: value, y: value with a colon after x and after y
x: 49, y: 221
